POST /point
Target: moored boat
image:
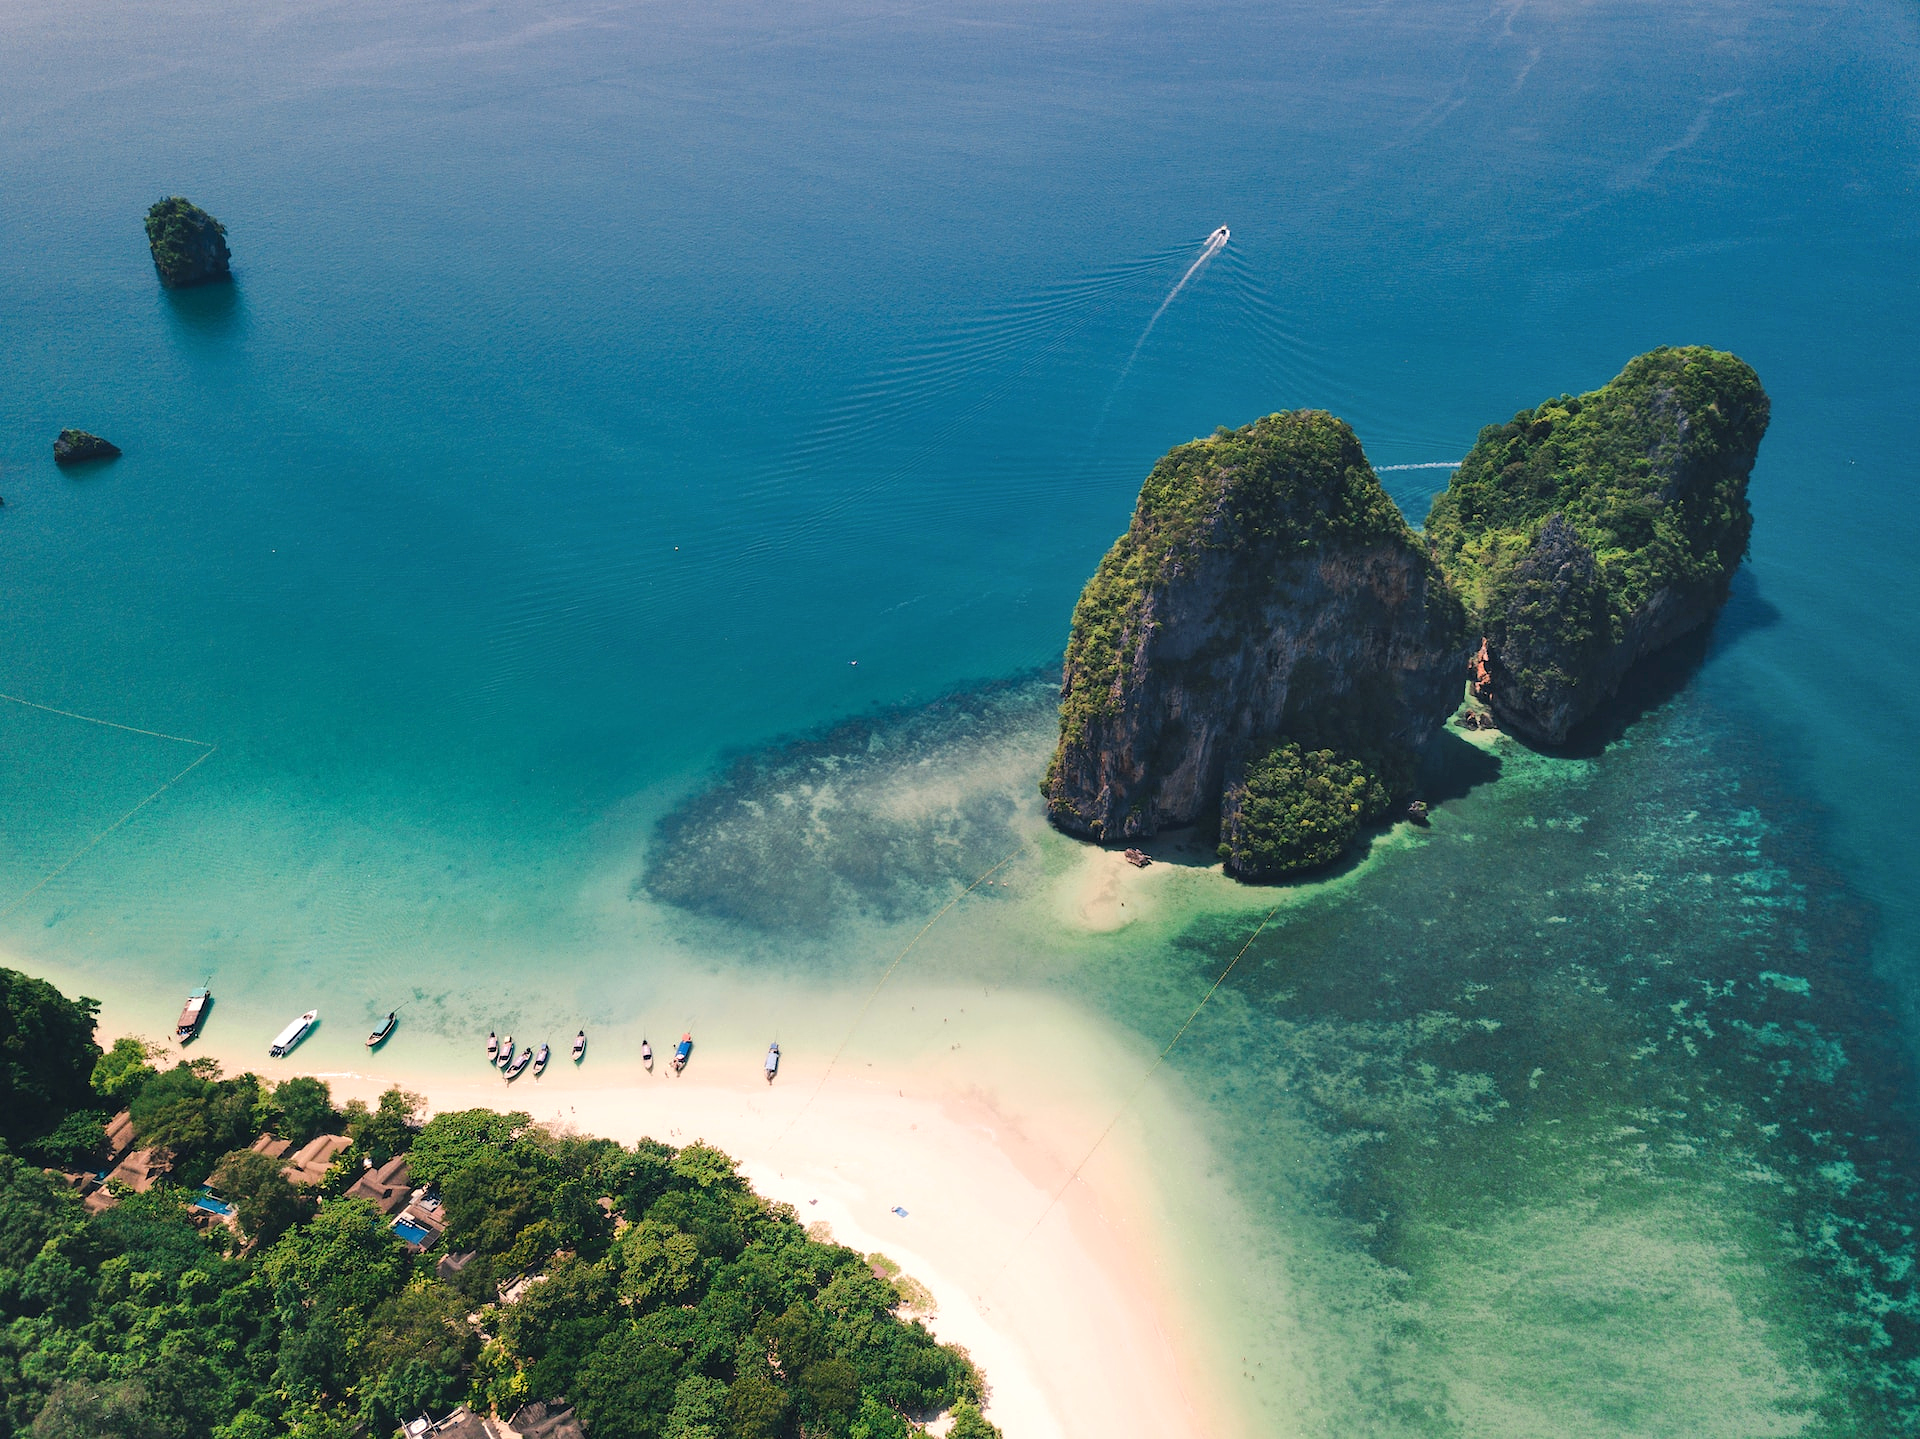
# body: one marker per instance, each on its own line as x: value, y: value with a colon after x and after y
x: 193, y: 1016
x: 493, y: 1047
x: 646, y: 1054
x: 540, y: 1059
x: 521, y: 1061
x: 773, y: 1060
x: 682, y: 1052
x: 506, y: 1052
x: 579, y: 1046
x: 296, y: 1031
x: 383, y: 1029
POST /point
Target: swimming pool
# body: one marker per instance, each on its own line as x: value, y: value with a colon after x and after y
x: 413, y: 1233
x: 212, y: 1205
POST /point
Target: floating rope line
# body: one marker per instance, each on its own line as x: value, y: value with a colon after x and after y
x: 1139, y: 1085
x: 874, y: 993
x: 206, y: 748
x: 1423, y: 465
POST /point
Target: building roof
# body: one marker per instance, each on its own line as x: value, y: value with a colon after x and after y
x: 273, y: 1148
x: 452, y: 1264
x: 546, y: 1419
x: 463, y: 1423
x: 389, y: 1186
x: 140, y: 1169
x: 119, y: 1137
x: 310, y: 1162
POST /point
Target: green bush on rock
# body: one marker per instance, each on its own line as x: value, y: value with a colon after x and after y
x: 1297, y: 809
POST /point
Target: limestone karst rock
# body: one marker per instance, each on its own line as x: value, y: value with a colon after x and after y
x: 73, y: 446
x: 189, y: 245
x: 1595, y: 529
x: 1267, y: 594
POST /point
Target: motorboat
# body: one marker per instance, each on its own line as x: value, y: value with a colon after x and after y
x: 1219, y: 237
x: 506, y: 1052
x: 773, y: 1060
x: 646, y: 1055
x: 193, y: 1016
x: 383, y: 1029
x: 579, y: 1046
x: 540, y: 1059
x: 286, y: 1039
x: 521, y: 1061
x: 493, y: 1047
x: 682, y: 1052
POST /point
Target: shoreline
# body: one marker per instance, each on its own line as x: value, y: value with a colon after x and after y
x: 1066, y: 1304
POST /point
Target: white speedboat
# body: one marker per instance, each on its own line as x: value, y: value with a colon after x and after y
x: 284, y: 1041
x: 1219, y: 237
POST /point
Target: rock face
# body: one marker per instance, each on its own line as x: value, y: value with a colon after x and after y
x: 1595, y: 529
x: 189, y: 245
x: 1267, y: 596
x: 74, y: 446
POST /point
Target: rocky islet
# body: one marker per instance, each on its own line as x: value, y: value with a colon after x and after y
x: 1267, y: 594
x: 1595, y: 529
x: 74, y: 446
x: 189, y: 246
x: 1270, y: 648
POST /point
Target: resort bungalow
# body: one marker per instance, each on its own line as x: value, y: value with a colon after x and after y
x: 138, y: 1171
x: 309, y: 1163
x: 273, y: 1148
x: 387, y: 1188
x: 119, y: 1138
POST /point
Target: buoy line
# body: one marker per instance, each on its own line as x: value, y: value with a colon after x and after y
x: 207, y: 749
x: 1134, y: 1093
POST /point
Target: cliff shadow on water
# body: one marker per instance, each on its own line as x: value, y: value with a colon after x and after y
x: 1663, y: 675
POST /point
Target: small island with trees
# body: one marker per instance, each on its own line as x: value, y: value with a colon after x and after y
x: 185, y: 1255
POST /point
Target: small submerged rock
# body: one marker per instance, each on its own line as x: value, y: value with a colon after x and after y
x: 74, y: 446
x: 189, y: 246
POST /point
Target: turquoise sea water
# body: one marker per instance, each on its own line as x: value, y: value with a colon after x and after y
x: 628, y: 420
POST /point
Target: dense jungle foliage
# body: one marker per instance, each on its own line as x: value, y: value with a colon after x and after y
x: 667, y: 1298
x: 1649, y: 471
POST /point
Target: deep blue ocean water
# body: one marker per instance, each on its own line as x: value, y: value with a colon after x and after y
x: 609, y: 389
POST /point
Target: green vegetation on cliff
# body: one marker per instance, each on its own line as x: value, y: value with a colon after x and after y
x: 1294, y: 480
x: 1649, y: 472
x: 669, y: 1300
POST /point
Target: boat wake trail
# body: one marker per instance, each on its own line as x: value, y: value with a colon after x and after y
x: 1216, y: 242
